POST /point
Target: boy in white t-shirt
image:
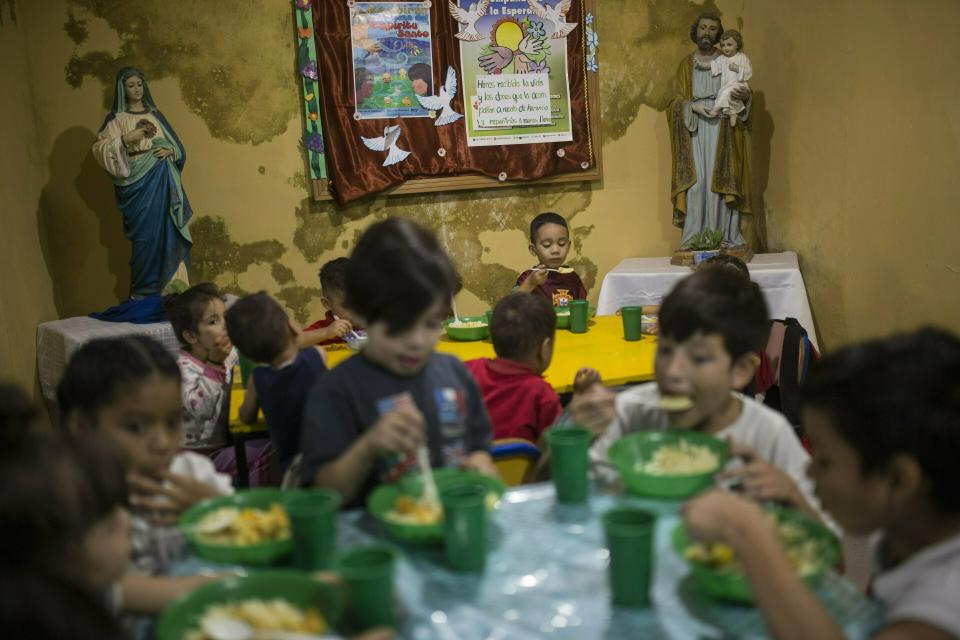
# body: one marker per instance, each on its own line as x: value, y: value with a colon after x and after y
x: 883, y: 419
x: 711, y: 326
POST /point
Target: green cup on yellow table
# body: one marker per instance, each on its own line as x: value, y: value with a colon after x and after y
x: 579, y: 315
x: 313, y: 525
x: 629, y: 533
x: 367, y: 573
x: 568, y: 462
x: 465, y: 526
x: 632, y: 323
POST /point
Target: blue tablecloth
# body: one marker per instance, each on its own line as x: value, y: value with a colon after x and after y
x: 546, y: 576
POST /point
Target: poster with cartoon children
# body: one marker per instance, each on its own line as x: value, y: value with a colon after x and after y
x: 514, y: 59
x: 392, y: 61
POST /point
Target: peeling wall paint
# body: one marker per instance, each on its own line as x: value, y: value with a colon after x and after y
x: 245, y: 99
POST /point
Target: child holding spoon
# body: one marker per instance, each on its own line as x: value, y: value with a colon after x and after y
x: 551, y: 278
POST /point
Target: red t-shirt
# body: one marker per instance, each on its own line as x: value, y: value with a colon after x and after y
x: 559, y: 288
x: 520, y: 402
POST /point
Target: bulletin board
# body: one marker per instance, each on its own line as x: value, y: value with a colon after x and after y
x: 419, y: 96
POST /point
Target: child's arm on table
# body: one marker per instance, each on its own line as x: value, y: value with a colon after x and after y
x: 149, y: 595
x: 789, y: 608
x: 163, y: 501
x: 400, y: 430
x: 251, y: 406
x: 315, y: 337
x: 480, y: 461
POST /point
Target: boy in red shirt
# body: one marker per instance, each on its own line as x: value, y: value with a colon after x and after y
x: 336, y: 323
x: 550, y: 243
x: 520, y: 402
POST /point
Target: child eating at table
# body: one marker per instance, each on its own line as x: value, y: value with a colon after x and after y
x: 366, y: 419
x: 521, y: 404
x: 206, y: 366
x: 883, y: 419
x: 128, y: 390
x: 262, y: 331
x: 551, y: 278
x: 336, y: 322
x: 64, y: 528
x: 711, y: 325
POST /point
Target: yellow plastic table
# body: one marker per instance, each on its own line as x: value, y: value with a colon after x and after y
x: 601, y: 347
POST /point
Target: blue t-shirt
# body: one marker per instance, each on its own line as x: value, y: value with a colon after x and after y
x: 352, y: 397
x: 282, y: 394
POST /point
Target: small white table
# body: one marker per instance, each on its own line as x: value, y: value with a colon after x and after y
x: 646, y: 281
x: 58, y: 339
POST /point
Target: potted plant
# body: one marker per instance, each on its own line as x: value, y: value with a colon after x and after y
x: 705, y: 245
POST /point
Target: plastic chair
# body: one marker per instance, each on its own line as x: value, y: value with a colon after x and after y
x: 515, y: 459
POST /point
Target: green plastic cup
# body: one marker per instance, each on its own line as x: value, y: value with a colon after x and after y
x: 313, y: 525
x: 568, y: 452
x: 489, y: 314
x: 630, y: 540
x: 579, y: 315
x: 632, y: 323
x: 367, y: 573
x: 246, y: 368
x: 465, y: 526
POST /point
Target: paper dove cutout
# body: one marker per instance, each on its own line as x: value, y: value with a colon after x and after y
x: 469, y: 17
x: 442, y: 102
x: 387, y: 142
x: 557, y: 15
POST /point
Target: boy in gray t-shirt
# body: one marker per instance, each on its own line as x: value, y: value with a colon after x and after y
x: 883, y: 419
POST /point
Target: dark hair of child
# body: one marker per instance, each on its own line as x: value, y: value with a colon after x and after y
x: 421, y: 71
x: 717, y: 301
x: 519, y: 325
x: 17, y: 413
x: 547, y: 217
x: 333, y: 276
x: 897, y: 396
x: 185, y: 310
x: 258, y: 327
x: 101, y: 369
x: 726, y: 261
x: 39, y: 607
x: 56, y: 487
x: 396, y: 272
x: 733, y: 33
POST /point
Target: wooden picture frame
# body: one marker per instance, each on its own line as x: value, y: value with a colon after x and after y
x: 319, y: 187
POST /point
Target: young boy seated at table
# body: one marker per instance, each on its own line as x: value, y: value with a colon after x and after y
x: 366, y: 419
x: 261, y: 330
x: 711, y: 325
x: 551, y: 278
x: 883, y: 420
x: 336, y: 323
x: 520, y: 402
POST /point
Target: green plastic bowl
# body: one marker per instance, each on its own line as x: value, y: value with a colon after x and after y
x: 730, y: 584
x: 626, y: 452
x: 467, y: 334
x: 183, y: 616
x: 382, y: 499
x: 265, y: 553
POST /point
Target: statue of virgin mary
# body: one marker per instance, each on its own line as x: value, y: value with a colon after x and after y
x: 144, y: 157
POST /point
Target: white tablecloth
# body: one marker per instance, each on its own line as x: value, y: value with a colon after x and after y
x: 642, y: 281
x: 58, y: 339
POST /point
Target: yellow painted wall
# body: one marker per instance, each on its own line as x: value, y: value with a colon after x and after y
x: 26, y: 293
x: 863, y: 140
x: 855, y: 156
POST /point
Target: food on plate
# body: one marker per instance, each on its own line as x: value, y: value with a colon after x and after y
x: 244, y: 527
x: 802, y: 550
x: 415, y: 511
x: 462, y: 324
x: 679, y: 459
x: 259, y: 615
